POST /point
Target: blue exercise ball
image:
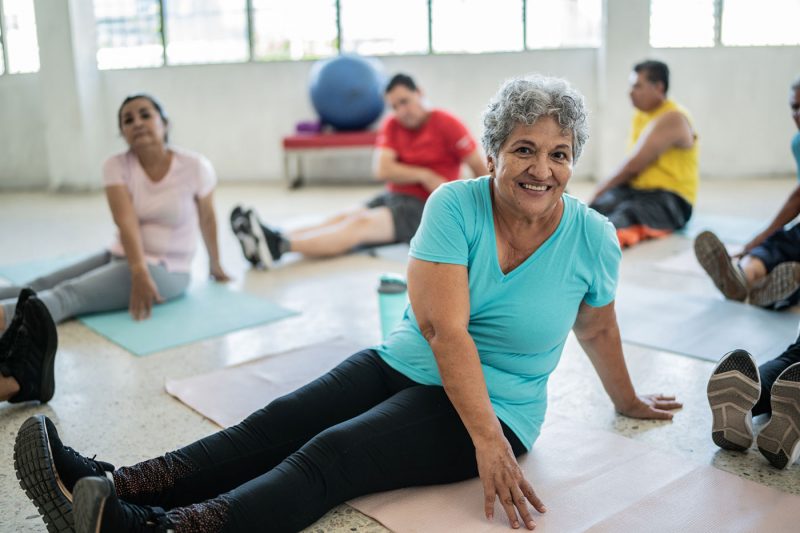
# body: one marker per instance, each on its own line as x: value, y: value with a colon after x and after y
x: 347, y: 91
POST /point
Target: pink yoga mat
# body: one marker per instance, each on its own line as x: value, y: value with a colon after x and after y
x: 590, y: 480
x: 228, y: 395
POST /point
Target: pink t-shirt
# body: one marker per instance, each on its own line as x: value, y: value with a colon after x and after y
x: 167, y: 209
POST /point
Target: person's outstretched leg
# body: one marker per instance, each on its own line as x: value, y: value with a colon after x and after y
x: 413, y: 438
x: 365, y: 227
x: 9, y: 294
x: 107, y: 288
x: 221, y: 461
x: 726, y: 274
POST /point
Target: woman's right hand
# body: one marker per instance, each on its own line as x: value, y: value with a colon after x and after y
x: 144, y: 294
x: 502, y: 478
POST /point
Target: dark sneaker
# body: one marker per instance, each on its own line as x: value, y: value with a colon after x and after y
x: 269, y: 240
x: 48, y: 471
x: 31, y: 357
x: 249, y: 241
x: 733, y: 390
x: 782, y: 282
x: 779, y: 439
x: 714, y: 258
x: 98, y: 510
x: 7, y: 340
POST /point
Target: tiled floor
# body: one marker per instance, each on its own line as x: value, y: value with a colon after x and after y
x: 112, y: 404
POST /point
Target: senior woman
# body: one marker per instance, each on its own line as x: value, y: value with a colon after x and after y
x: 502, y: 267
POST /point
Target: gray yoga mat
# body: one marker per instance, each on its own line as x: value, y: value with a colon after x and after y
x: 701, y: 326
x: 733, y: 230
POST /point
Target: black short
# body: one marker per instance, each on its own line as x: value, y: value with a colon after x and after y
x: 780, y: 247
x: 406, y: 213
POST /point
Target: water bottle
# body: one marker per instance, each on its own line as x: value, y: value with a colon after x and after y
x: 392, y: 301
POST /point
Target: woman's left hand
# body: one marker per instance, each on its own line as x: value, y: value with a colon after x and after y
x: 651, y: 406
x: 218, y: 274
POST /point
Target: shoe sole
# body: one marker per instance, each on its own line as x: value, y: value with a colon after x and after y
x: 90, y: 500
x: 779, y: 439
x: 779, y: 284
x: 33, y: 463
x: 47, y: 385
x: 247, y: 241
x: 264, y: 255
x: 713, y: 257
x: 733, y: 389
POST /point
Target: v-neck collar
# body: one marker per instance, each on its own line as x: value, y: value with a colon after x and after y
x: 531, y: 258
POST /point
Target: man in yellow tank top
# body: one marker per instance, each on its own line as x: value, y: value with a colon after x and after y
x: 652, y: 191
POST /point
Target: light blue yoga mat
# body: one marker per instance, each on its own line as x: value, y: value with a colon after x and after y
x: 21, y: 273
x: 732, y: 230
x: 205, y: 311
x: 701, y: 326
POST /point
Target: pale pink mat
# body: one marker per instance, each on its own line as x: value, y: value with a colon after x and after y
x: 226, y: 396
x: 590, y: 480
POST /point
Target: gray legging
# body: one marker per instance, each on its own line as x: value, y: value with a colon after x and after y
x: 99, y: 283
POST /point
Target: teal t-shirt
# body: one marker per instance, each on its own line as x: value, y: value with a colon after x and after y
x: 520, y: 320
x: 796, y: 151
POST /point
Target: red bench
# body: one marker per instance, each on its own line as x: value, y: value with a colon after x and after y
x: 297, y: 147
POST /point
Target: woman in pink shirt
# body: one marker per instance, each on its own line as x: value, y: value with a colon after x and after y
x: 159, y: 196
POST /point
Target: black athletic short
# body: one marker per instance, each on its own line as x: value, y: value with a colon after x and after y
x: 780, y: 247
x: 406, y: 213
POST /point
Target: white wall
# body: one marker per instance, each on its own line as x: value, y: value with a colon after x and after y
x: 237, y: 114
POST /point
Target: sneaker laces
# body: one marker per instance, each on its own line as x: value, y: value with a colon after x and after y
x: 99, y: 467
x: 145, y: 519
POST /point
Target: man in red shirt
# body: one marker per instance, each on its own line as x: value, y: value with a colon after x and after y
x: 417, y: 150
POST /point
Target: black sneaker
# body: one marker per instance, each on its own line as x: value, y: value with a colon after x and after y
x: 240, y: 224
x: 98, y: 510
x: 48, y: 471
x: 7, y: 340
x: 269, y: 239
x: 779, y: 440
x: 31, y: 357
x: 733, y: 389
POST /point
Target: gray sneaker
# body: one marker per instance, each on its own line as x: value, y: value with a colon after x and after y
x: 782, y: 282
x: 714, y: 258
x: 733, y: 390
x: 779, y: 440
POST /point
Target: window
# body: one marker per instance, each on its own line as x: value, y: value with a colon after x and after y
x: 384, y: 27
x: 19, y: 39
x: 128, y: 33
x: 564, y: 23
x: 299, y: 29
x: 766, y: 22
x: 682, y: 23
x: 206, y: 31
x: 2, y: 55
x: 477, y: 26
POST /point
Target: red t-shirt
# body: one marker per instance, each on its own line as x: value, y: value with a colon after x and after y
x: 440, y: 144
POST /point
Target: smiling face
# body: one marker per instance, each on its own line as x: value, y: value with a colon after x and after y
x: 794, y: 104
x: 407, y: 106
x: 141, y: 124
x: 532, y: 168
x: 645, y: 94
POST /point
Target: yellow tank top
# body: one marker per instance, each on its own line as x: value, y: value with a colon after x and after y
x: 676, y: 169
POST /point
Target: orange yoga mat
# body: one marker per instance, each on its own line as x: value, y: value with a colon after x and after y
x: 590, y: 480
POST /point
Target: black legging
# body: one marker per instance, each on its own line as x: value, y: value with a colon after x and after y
x: 361, y: 428
x: 770, y: 371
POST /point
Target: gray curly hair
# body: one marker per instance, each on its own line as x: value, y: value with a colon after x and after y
x: 525, y: 100
x: 796, y: 84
